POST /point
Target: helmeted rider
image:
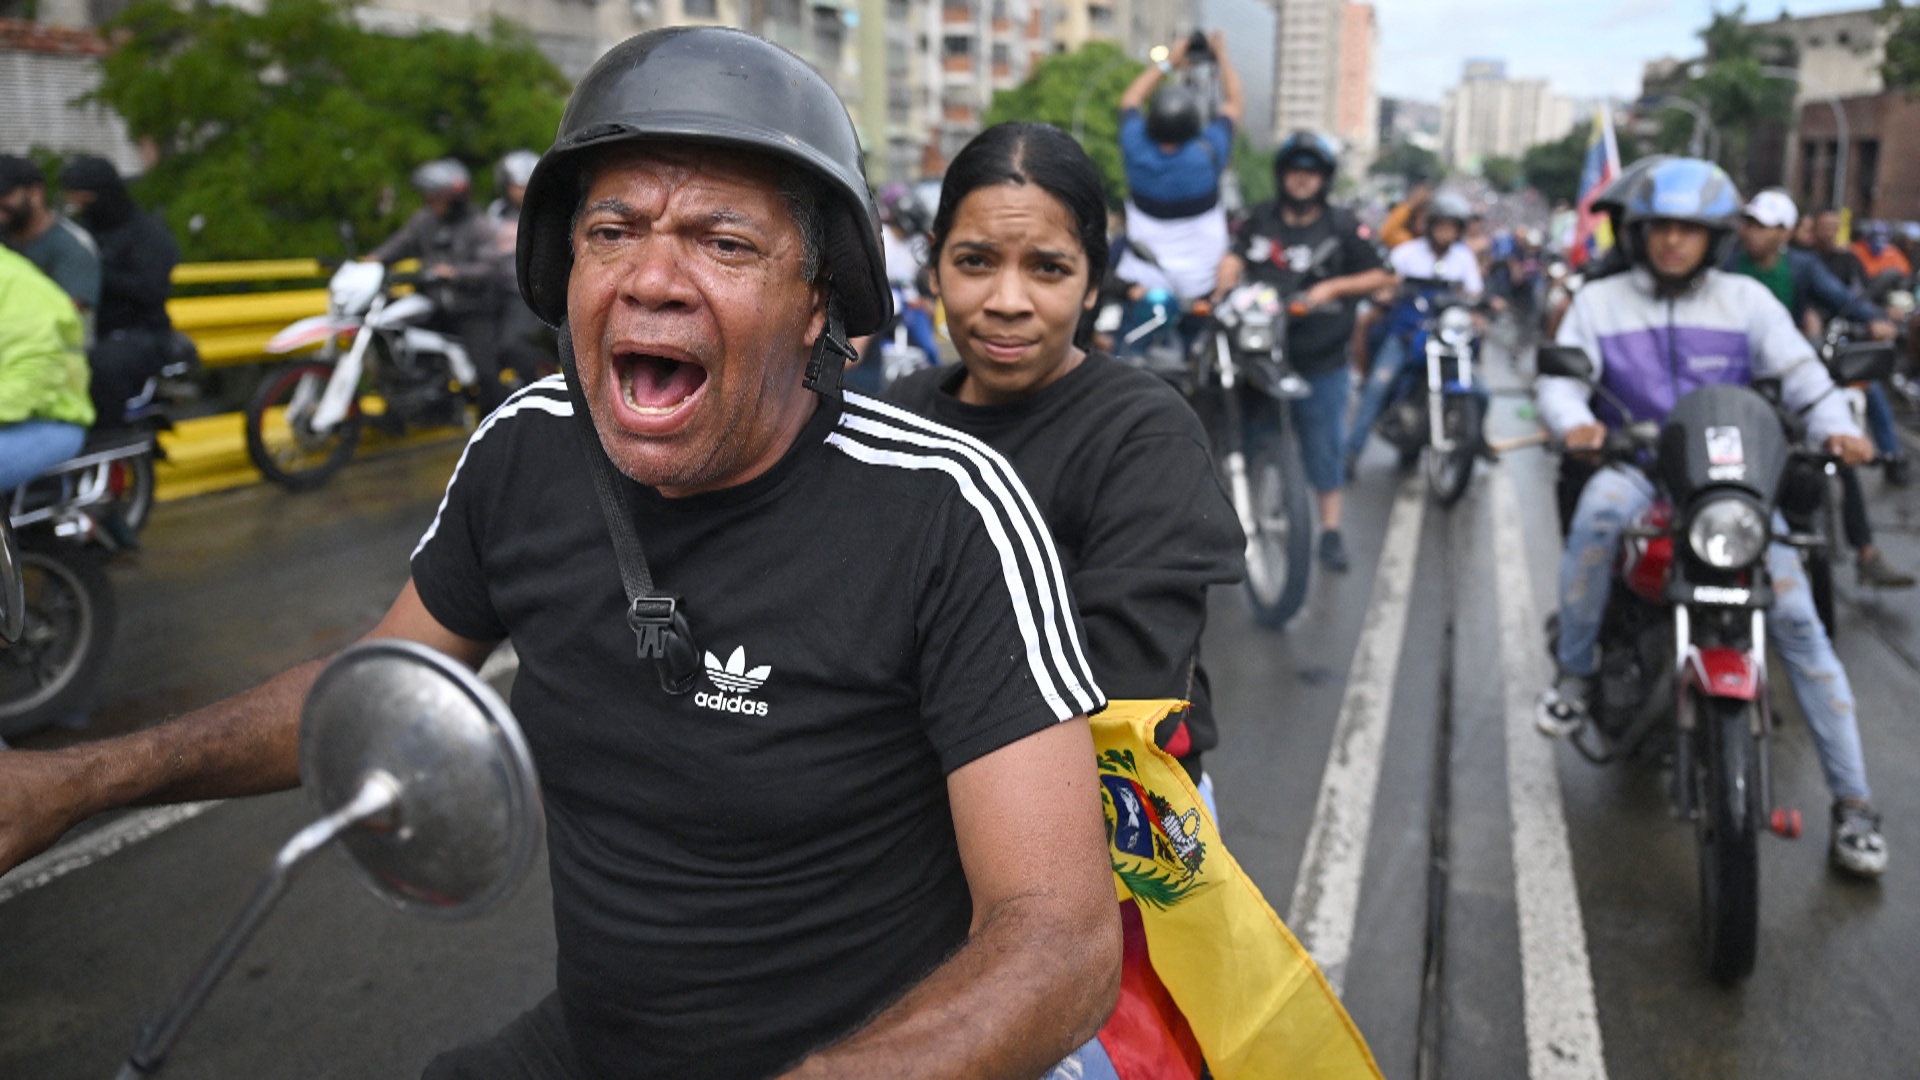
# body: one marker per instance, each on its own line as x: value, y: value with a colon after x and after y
x: 525, y: 344
x: 1674, y: 323
x: 903, y: 237
x: 1313, y: 253
x: 820, y: 791
x: 461, y: 259
x: 1174, y: 156
x: 1440, y: 254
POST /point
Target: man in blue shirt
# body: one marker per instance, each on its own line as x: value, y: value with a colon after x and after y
x: 1174, y: 156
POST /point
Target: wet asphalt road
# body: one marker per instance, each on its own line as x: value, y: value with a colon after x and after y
x: 233, y: 587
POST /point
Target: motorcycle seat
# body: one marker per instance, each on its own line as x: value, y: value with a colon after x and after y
x: 109, y: 441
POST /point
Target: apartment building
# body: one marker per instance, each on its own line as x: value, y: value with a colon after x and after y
x: 1306, y: 69
x: 1490, y: 115
x: 1356, y: 104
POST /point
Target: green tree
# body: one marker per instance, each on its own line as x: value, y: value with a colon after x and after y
x: 1901, y: 68
x: 1083, y: 85
x: 277, y: 129
x: 1403, y: 158
x: 1254, y: 169
x: 1733, y: 87
x: 1553, y: 169
x: 1504, y: 173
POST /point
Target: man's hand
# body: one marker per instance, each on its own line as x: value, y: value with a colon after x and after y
x: 1882, y: 330
x: 1851, y: 449
x: 1177, y: 56
x: 36, y: 803
x: 1320, y: 295
x: 1586, y: 439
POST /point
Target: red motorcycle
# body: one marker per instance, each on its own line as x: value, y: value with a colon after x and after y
x: 1683, y: 643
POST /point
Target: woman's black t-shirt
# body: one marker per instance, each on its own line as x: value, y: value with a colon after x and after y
x: 1119, y: 466
x: 749, y: 872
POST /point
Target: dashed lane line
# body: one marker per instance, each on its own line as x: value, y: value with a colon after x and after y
x: 85, y: 850
x: 89, y: 848
x: 1326, y: 895
x: 1562, y: 1020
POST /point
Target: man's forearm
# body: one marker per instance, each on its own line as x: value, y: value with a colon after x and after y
x: 1028, y: 988
x: 1360, y: 284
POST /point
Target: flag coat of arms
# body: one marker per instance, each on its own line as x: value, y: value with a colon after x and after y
x: 1221, y: 976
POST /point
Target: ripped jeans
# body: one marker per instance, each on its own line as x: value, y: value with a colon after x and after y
x: 1613, y: 499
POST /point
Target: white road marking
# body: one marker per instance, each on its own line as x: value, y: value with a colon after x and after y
x: 83, y: 851
x: 1562, y: 1021
x: 1326, y: 895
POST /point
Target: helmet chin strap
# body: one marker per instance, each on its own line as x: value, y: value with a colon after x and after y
x: 831, y: 351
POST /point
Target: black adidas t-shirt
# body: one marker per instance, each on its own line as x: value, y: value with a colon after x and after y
x: 749, y: 872
x: 1118, y: 464
x: 1294, y: 259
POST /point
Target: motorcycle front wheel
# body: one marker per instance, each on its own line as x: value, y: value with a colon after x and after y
x: 1727, y: 823
x: 1449, y: 472
x: 1280, y: 552
x: 280, y: 437
x: 70, y: 614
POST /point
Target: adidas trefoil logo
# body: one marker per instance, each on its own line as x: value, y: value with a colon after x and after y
x: 734, y: 678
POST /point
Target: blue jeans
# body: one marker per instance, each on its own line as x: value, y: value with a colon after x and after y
x: 1880, y: 421
x: 1388, y: 361
x: 1317, y: 419
x: 31, y: 447
x: 1611, y: 500
x: 1090, y: 1062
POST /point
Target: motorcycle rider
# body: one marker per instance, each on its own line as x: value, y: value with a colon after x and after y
x: 903, y: 238
x: 51, y: 241
x: 1799, y: 280
x: 44, y: 408
x: 880, y: 849
x: 1880, y: 258
x: 133, y: 336
x: 1315, y: 254
x: 1174, y: 157
x: 525, y: 343
x: 457, y: 246
x: 1674, y: 323
x: 1440, y: 254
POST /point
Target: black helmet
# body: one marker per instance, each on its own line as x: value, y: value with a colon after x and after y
x: 1174, y: 115
x: 720, y: 87
x: 1307, y: 150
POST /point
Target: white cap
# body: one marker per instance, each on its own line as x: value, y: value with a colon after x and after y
x: 1774, y: 209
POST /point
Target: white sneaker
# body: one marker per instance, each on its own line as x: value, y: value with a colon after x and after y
x: 1856, y: 846
x: 1562, y: 708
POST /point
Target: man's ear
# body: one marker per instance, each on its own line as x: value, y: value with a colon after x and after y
x: 817, y: 320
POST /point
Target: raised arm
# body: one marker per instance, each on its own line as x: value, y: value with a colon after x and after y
x: 1233, y: 103
x: 244, y: 745
x: 1040, y: 970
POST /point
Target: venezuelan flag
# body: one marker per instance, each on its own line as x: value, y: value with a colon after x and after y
x: 1211, y: 972
x: 1592, y: 234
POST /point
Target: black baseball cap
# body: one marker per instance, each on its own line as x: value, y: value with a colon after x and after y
x: 18, y: 172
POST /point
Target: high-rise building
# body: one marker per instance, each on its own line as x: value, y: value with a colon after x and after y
x: 1306, y: 64
x: 1134, y: 25
x: 1489, y: 115
x: 1356, y: 106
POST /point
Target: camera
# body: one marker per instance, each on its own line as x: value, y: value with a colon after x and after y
x: 1198, y: 48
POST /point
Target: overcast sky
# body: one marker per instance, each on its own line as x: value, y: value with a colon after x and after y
x: 1589, y: 49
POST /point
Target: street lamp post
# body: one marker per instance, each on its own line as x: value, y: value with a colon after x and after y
x: 1843, y: 148
x: 1698, y: 144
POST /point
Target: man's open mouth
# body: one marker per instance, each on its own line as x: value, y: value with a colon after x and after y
x: 657, y: 386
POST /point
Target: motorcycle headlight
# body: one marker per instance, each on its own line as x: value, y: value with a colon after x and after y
x: 1456, y: 326
x: 1728, y: 533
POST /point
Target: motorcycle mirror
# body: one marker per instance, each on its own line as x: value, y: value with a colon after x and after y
x: 420, y: 771
x: 13, y: 596
x: 1564, y: 361
x: 1862, y: 361
x: 466, y: 819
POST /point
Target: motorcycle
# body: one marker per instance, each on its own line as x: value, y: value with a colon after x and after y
x: 305, y: 420
x: 69, y: 521
x: 1239, y: 358
x: 420, y: 772
x: 1683, y: 642
x: 1818, y: 510
x: 1437, y: 413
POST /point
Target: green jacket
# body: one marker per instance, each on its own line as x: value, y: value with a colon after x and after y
x: 43, y: 366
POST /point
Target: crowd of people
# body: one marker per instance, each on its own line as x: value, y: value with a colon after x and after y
x: 899, y: 856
